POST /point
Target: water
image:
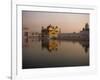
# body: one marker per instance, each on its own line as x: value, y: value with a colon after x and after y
x: 46, y: 53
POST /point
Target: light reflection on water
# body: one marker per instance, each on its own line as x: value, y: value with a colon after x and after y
x: 44, y: 53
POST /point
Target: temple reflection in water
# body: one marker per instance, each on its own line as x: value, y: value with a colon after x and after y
x: 53, y: 44
x: 50, y: 45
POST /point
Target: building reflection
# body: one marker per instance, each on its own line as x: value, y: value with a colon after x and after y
x: 50, y: 44
x: 85, y: 45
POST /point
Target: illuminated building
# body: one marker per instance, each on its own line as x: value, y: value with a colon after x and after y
x: 50, y: 31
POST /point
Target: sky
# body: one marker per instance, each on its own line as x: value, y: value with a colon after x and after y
x: 68, y: 22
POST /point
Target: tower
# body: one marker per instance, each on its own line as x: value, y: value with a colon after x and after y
x: 86, y: 26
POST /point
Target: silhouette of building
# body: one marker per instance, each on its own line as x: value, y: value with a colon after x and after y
x: 82, y: 35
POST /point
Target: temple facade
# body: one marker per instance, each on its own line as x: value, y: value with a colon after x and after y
x: 50, y: 31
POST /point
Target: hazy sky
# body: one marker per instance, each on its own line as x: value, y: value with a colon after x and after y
x: 68, y: 22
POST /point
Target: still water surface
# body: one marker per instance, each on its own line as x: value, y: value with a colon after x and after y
x: 54, y: 53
